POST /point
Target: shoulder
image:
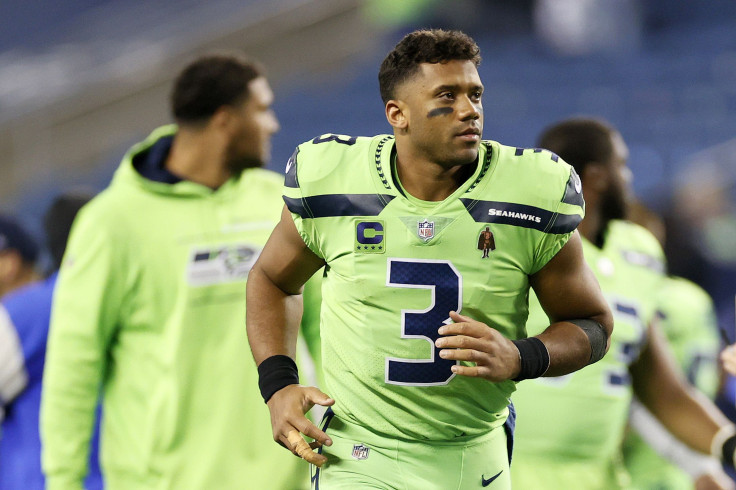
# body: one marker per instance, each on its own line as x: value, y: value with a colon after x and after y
x: 533, y: 177
x: 110, y: 216
x: 636, y: 237
x: 539, y: 162
x: 686, y: 290
x: 262, y: 177
x: 336, y: 160
x: 326, y: 153
x: 637, y: 245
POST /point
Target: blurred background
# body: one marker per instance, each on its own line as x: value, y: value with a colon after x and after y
x: 81, y: 80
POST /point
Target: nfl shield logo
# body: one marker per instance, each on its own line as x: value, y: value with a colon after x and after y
x: 360, y: 451
x: 425, y: 229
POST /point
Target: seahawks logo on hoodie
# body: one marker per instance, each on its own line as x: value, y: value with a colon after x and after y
x: 221, y: 264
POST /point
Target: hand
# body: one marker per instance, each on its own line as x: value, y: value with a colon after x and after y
x: 288, y: 406
x: 496, y: 358
x: 718, y: 481
x: 728, y: 357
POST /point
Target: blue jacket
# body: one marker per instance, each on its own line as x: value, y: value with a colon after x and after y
x: 29, y: 309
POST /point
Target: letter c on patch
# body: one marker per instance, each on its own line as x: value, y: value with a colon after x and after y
x: 369, y: 232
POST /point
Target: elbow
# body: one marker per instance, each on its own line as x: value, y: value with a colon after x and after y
x: 605, y: 318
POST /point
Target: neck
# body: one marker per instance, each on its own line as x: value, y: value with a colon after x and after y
x: 593, y: 225
x: 198, y: 156
x: 428, y: 180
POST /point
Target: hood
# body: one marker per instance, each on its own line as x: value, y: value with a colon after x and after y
x: 143, y: 167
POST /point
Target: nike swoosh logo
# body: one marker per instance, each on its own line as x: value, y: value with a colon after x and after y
x: 487, y: 482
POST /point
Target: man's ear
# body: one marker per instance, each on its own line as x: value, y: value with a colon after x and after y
x: 222, y: 118
x: 396, y: 114
x: 595, y: 177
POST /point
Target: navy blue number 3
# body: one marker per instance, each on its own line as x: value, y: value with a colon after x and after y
x: 445, y: 283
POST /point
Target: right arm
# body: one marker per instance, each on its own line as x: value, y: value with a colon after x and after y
x: 273, y: 313
x: 85, y: 311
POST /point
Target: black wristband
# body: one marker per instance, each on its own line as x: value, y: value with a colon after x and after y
x: 275, y: 373
x: 534, y: 358
x: 728, y: 451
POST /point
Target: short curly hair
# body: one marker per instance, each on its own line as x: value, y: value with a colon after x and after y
x: 423, y: 46
x: 579, y: 141
x: 210, y: 82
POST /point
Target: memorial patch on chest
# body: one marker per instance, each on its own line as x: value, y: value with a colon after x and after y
x: 486, y: 242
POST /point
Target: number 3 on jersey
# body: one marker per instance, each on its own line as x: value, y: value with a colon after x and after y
x: 445, y: 283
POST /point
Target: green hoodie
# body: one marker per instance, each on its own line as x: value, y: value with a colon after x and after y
x: 150, y: 310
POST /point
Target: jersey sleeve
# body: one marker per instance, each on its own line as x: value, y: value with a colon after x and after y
x: 298, y: 205
x: 87, y: 301
x: 568, y: 212
x: 13, y: 375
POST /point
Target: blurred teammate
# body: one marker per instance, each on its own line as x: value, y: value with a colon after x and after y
x: 149, y: 304
x: 18, y: 255
x: 416, y: 324
x: 570, y: 429
x: 687, y: 319
x: 26, y: 313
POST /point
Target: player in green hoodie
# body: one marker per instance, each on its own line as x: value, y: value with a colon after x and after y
x: 149, y: 308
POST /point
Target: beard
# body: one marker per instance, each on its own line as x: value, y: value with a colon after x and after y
x: 237, y: 165
x: 614, y: 205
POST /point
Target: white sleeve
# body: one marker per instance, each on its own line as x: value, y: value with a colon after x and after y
x: 668, y: 446
x: 13, y: 376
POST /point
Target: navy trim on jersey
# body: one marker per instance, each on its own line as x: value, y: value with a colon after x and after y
x: 290, y: 178
x: 507, y: 213
x: 509, y: 427
x: 326, y: 419
x: 378, y: 162
x: 574, y: 190
x: 331, y: 205
x: 486, y: 166
x: 564, y: 223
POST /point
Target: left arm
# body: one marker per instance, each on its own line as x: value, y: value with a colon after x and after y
x: 700, y: 467
x: 686, y: 413
x: 569, y: 292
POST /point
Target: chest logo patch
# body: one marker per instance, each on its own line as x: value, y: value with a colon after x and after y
x: 217, y: 265
x: 370, y: 237
x: 360, y: 451
x: 486, y: 242
x: 425, y: 230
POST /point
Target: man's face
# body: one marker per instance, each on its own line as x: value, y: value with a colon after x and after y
x: 444, y: 113
x: 255, y: 123
x: 616, y: 198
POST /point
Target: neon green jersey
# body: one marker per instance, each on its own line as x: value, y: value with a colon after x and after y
x: 688, y: 320
x: 396, y: 267
x: 581, y: 416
